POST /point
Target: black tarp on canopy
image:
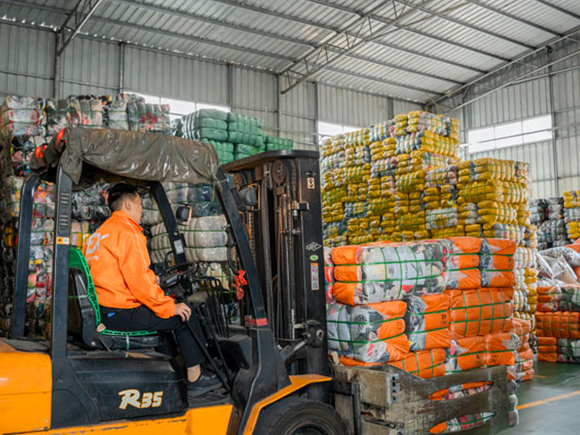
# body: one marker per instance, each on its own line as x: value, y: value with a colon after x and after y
x: 139, y: 156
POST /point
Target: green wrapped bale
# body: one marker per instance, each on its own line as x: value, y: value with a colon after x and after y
x: 274, y: 143
x: 205, y: 134
x: 209, y: 123
x: 236, y: 118
x: 244, y: 128
x: 245, y: 138
x: 212, y: 113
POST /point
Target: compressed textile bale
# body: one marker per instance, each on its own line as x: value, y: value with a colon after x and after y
x: 426, y: 322
x: 480, y: 312
x: 501, y: 349
x: 22, y: 116
x: 383, y: 272
x: 424, y: 364
x: 465, y: 353
x: 372, y: 333
x: 328, y: 274
x: 497, y: 263
x: 462, y: 262
x: 558, y: 324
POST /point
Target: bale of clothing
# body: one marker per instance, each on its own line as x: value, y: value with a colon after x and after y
x: 558, y: 316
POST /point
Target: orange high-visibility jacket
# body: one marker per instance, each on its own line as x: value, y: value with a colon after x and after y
x: 119, y: 262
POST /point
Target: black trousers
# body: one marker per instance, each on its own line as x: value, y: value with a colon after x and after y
x: 143, y: 319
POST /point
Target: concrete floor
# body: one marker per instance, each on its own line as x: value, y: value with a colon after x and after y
x: 561, y: 415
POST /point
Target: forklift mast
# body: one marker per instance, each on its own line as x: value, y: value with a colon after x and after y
x: 285, y: 227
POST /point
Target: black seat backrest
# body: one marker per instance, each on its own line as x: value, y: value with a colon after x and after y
x: 81, y: 314
x: 82, y: 322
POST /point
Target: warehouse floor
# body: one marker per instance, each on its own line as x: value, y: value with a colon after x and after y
x: 550, y: 404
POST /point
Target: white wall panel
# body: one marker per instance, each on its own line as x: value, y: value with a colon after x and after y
x: 26, y: 61
x: 298, y: 115
x: 176, y: 77
x: 400, y: 107
x: 357, y: 109
x: 90, y: 67
x: 510, y: 104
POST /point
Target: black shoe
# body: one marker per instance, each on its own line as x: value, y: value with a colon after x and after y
x: 205, y: 383
x: 218, y: 396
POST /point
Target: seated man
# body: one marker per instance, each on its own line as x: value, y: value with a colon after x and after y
x: 127, y: 290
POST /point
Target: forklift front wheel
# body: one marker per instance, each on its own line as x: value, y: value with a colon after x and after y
x: 298, y: 416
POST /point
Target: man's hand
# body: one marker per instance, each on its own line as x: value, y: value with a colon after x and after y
x: 183, y: 311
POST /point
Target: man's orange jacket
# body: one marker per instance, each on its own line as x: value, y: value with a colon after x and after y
x: 119, y: 262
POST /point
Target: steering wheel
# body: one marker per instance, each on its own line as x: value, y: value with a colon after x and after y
x: 175, y: 278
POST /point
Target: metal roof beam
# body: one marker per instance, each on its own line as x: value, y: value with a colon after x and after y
x: 200, y: 18
x: 515, y: 18
x: 241, y: 28
x: 74, y: 22
x: 559, y: 9
x: 380, y: 80
x: 268, y: 12
x: 513, y: 62
x: 468, y: 25
x: 159, y: 31
x: 409, y: 29
x: 322, y: 59
x: 182, y: 14
x: 516, y: 80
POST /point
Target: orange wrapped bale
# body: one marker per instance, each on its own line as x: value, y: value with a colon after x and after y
x: 501, y: 349
x: 462, y: 262
x: 527, y: 375
x: 426, y: 322
x: 480, y: 312
x: 497, y: 263
x: 380, y: 272
x: 546, y: 296
x: 425, y: 363
x: 560, y: 324
x: 368, y: 333
x: 548, y: 357
x: 397, y: 348
x: 498, y: 247
x: 465, y: 354
x: 547, y: 345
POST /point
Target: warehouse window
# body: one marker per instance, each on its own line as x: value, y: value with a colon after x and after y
x: 326, y: 129
x: 179, y: 108
x: 508, y: 135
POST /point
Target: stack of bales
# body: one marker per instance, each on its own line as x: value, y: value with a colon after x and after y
x: 572, y: 214
x: 211, y: 126
x: 558, y: 316
x: 424, y: 142
x: 333, y: 189
x: 431, y: 307
x: 25, y: 124
x: 548, y: 217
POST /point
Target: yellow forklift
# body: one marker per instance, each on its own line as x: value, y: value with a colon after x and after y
x: 273, y: 363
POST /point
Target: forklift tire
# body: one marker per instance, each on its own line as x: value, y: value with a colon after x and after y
x: 298, y: 416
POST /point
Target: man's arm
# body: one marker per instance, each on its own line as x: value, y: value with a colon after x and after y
x: 134, y: 263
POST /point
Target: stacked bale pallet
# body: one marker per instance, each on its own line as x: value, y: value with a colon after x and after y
x: 233, y: 136
x: 558, y: 316
x: 572, y: 214
x: 430, y: 307
x: 418, y: 189
x: 25, y: 124
x: 548, y: 216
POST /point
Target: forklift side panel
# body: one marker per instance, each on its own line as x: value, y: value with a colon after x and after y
x: 25, y: 390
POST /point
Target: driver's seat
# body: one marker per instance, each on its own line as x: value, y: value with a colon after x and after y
x: 84, y: 316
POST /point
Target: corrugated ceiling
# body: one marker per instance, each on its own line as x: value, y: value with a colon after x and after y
x: 409, y: 49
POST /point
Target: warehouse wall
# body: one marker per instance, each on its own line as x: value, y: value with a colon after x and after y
x: 104, y: 67
x: 555, y: 164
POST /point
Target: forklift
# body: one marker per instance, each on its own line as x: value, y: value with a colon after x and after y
x: 273, y: 363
